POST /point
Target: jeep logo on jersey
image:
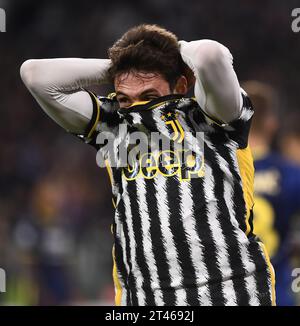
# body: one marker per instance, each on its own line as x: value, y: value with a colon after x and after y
x: 2, y: 20
x: 186, y: 164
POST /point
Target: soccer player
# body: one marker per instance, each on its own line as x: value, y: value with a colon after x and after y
x: 183, y: 232
x: 277, y: 188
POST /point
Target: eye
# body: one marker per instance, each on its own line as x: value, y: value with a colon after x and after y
x: 150, y: 97
x: 123, y: 101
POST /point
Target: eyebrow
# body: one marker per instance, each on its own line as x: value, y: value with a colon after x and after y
x: 121, y: 93
x: 150, y: 90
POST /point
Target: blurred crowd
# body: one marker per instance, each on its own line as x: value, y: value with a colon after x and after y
x: 55, y: 203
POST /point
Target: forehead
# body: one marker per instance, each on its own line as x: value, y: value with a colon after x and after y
x: 133, y: 83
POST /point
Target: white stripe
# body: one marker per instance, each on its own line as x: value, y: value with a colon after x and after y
x: 195, y: 246
x: 137, y: 120
x: 246, y: 114
x: 230, y: 297
x: 147, y: 242
x: 132, y: 244
x: 168, y: 240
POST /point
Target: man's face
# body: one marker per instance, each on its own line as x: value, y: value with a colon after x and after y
x: 140, y: 86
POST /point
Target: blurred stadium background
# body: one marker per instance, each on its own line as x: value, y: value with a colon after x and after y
x: 55, y: 206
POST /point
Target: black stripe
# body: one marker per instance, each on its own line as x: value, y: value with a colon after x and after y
x: 239, y: 199
x: 181, y: 241
x: 233, y: 249
x: 160, y: 257
x: 250, y: 221
x: 262, y: 274
x: 119, y: 261
x: 214, y: 276
x: 241, y: 128
x: 109, y: 113
x: 214, y: 120
x: 138, y: 240
x: 94, y: 115
x: 131, y: 281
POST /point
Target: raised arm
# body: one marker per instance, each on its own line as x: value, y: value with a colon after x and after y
x: 58, y: 86
x: 217, y: 89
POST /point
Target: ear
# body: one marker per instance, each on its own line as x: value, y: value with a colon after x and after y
x: 181, y: 86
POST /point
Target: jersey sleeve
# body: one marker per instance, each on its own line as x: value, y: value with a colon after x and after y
x: 105, y: 118
x: 238, y: 130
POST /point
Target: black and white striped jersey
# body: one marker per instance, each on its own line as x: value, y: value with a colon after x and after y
x: 183, y: 216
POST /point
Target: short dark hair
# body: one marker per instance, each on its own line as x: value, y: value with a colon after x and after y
x: 147, y: 48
